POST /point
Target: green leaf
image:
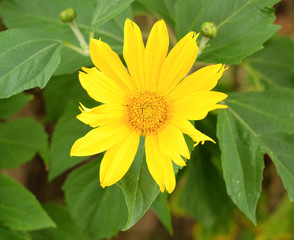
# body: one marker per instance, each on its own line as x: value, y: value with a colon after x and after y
x: 66, y: 228
x: 163, y: 8
x: 27, y: 61
x: 242, y: 161
x: 204, y: 195
x: 161, y: 209
x: 20, y: 140
x: 27, y: 14
x: 44, y: 16
x: 98, y: 212
x: 254, y: 124
x: 112, y: 32
x: 19, y: 209
x: 10, y: 106
x: 7, y: 234
x: 59, y: 92
x: 139, y: 188
x: 243, y: 26
x: 107, y: 9
x: 273, y: 65
x: 67, y: 131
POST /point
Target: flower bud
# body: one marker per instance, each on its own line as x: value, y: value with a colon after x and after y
x: 68, y: 15
x: 209, y: 29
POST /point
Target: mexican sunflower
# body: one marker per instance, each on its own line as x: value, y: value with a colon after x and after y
x: 152, y: 98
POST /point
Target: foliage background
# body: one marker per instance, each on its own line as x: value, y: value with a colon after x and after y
x: 200, y: 207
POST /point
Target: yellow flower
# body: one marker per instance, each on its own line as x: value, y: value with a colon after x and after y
x: 149, y: 100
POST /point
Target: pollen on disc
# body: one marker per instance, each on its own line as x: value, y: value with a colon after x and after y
x: 147, y: 112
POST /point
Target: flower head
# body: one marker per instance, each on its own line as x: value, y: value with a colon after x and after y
x: 153, y: 98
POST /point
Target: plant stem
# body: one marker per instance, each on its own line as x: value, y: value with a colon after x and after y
x: 91, y: 35
x: 74, y: 27
x: 202, y: 45
x: 84, y: 52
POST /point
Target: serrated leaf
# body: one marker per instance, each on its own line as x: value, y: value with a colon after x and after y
x: 254, y: 124
x: 19, y: 209
x: 27, y: 61
x: 67, y: 131
x: 204, y: 195
x: 20, y: 140
x: 10, y: 106
x: 66, y: 229
x: 139, y: 188
x: 273, y: 65
x: 243, y: 26
x: 7, y: 234
x: 107, y: 9
x: 163, y: 8
x: 161, y: 209
x: 98, y: 212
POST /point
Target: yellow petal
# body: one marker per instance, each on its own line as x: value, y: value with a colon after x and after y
x: 156, y: 51
x: 178, y: 63
x: 195, y: 106
x: 109, y: 63
x: 186, y: 127
x: 99, y: 139
x: 100, y: 87
x: 159, y: 165
x: 202, y: 80
x: 102, y: 115
x: 172, y: 144
x: 118, y: 159
x: 133, y: 52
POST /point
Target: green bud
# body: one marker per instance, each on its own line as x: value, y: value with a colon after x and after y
x: 68, y: 15
x: 209, y: 29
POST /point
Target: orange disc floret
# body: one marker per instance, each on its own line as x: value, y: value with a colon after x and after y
x: 147, y: 112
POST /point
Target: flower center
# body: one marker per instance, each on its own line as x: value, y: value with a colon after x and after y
x: 147, y: 112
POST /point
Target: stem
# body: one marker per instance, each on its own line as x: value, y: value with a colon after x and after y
x: 202, y: 45
x: 84, y: 52
x: 91, y: 35
x: 79, y: 35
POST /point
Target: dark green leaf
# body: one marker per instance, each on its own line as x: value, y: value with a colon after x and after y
x: 243, y: 26
x: 7, y: 234
x: 19, y: 209
x: 273, y: 65
x: 98, y: 212
x: 160, y: 207
x: 107, y: 9
x: 67, y: 131
x: 242, y: 161
x: 27, y: 61
x: 256, y: 123
x: 10, y: 106
x: 164, y: 8
x: 66, y: 228
x: 20, y: 140
x: 204, y: 196
x: 139, y: 188
x: 59, y: 92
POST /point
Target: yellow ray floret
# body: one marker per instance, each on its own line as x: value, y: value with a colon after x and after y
x: 153, y: 97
